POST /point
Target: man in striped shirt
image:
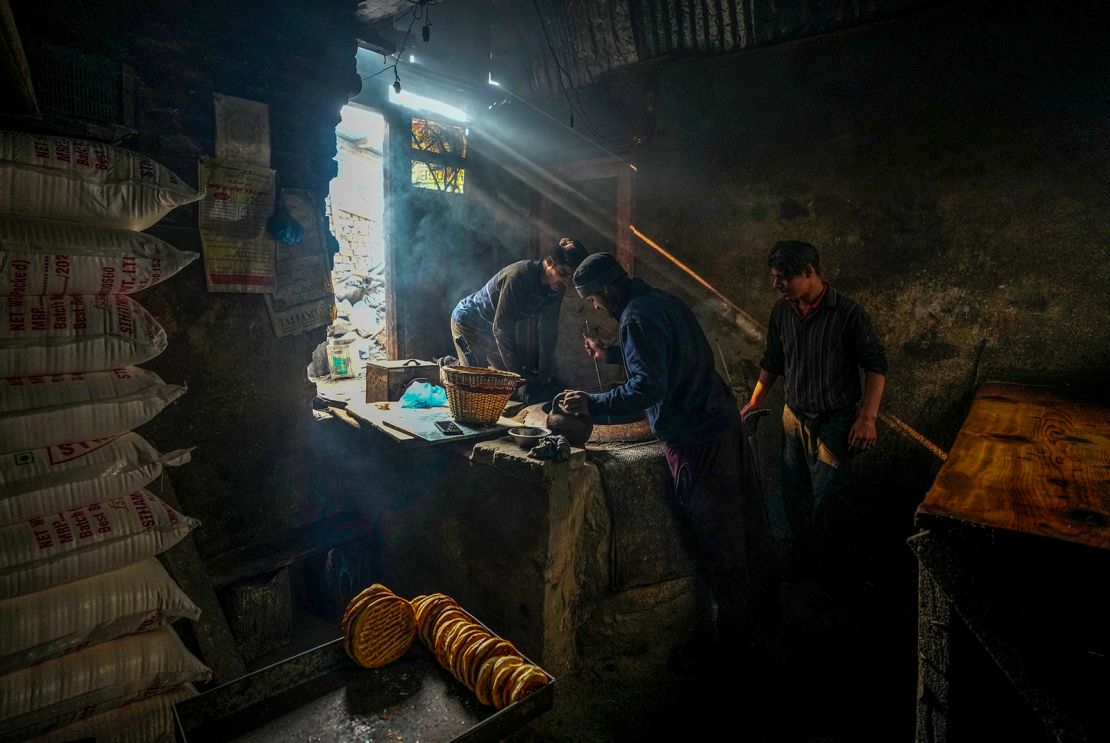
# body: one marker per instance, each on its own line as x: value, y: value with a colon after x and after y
x: 819, y: 340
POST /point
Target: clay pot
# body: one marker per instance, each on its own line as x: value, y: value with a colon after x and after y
x: 576, y: 428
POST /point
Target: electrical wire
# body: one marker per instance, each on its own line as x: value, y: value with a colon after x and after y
x: 560, y: 72
x: 404, y: 42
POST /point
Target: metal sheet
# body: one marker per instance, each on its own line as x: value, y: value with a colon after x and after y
x: 322, y: 696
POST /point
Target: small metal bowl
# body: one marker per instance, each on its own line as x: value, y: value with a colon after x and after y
x: 528, y: 436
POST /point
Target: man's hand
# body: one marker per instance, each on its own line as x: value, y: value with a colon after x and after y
x: 575, y: 402
x: 863, y: 434
x: 595, y: 349
x: 766, y: 379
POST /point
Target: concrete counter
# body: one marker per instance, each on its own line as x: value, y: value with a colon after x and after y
x: 556, y: 556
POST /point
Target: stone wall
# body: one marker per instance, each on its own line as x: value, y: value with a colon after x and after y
x: 247, y: 409
x: 950, y: 167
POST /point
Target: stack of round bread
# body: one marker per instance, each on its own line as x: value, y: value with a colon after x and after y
x: 483, y: 662
x: 378, y: 627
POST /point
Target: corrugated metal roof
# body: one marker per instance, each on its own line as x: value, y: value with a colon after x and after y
x: 587, y: 38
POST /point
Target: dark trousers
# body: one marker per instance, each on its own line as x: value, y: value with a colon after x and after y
x: 815, y: 474
x: 474, y: 342
x: 725, y: 524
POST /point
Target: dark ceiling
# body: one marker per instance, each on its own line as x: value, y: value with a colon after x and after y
x: 531, y: 43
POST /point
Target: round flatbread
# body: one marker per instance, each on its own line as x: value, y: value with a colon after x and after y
x: 382, y: 631
x: 525, y: 680
x: 482, y: 685
x: 499, y: 683
x: 449, y: 615
x: 430, y: 616
x: 445, y: 637
x: 463, y: 642
x: 491, y: 648
x: 422, y: 603
x: 470, y: 653
x: 361, y: 600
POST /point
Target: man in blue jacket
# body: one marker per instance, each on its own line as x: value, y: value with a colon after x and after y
x: 483, y: 325
x: 671, y: 377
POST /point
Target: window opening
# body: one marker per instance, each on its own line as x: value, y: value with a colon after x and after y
x: 356, y: 211
x: 438, y: 156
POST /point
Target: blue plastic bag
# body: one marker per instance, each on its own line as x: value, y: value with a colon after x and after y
x: 423, y: 394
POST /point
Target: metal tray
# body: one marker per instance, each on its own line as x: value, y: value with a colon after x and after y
x: 322, y: 696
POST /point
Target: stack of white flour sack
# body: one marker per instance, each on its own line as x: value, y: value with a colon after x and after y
x: 86, y: 650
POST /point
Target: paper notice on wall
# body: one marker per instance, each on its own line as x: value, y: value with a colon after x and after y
x: 238, y: 251
x: 303, y: 298
x: 242, y: 130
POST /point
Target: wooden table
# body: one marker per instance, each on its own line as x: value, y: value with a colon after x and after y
x: 416, y: 426
x: 1013, y: 558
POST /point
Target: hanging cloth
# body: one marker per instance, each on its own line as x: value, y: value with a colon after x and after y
x: 281, y: 223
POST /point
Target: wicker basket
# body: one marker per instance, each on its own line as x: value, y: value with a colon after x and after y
x: 478, y: 395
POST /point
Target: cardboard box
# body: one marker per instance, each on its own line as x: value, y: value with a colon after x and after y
x: 387, y: 380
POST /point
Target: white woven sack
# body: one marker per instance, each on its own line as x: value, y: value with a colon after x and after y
x: 50, y: 550
x: 41, y: 411
x: 74, y: 334
x: 77, y: 685
x: 145, y: 721
x: 78, y: 181
x: 43, y: 624
x: 63, y: 476
x: 43, y: 256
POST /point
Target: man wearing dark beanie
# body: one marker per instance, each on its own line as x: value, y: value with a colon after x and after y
x: 671, y: 377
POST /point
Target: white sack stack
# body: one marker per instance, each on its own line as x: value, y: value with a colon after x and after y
x: 84, y: 650
x: 148, y: 720
x: 53, y: 549
x: 63, y: 476
x: 46, y: 696
x: 136, y: 598
x: 52, y: 177
x: 41, y: 411
x: 45, y: 257
x: 75, y: 333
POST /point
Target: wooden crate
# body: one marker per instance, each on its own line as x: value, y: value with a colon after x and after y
x: 387, y: 380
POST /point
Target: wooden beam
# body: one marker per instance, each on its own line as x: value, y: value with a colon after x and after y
x: 13, y: 64
x: 625, y: 218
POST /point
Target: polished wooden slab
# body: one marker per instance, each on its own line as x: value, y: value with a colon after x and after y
x: 1029, y: 459
x: 416, y: 426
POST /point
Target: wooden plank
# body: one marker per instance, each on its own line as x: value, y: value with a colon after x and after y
x: 415, y: 426
x: 623, y: 235
x: 289, y: 546
x: 1029, y: 459
x: 14, y: 70
x: 342, y: 415
x: 213, y: 634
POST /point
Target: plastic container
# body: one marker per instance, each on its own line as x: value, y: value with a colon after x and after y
x: 340, y: 363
